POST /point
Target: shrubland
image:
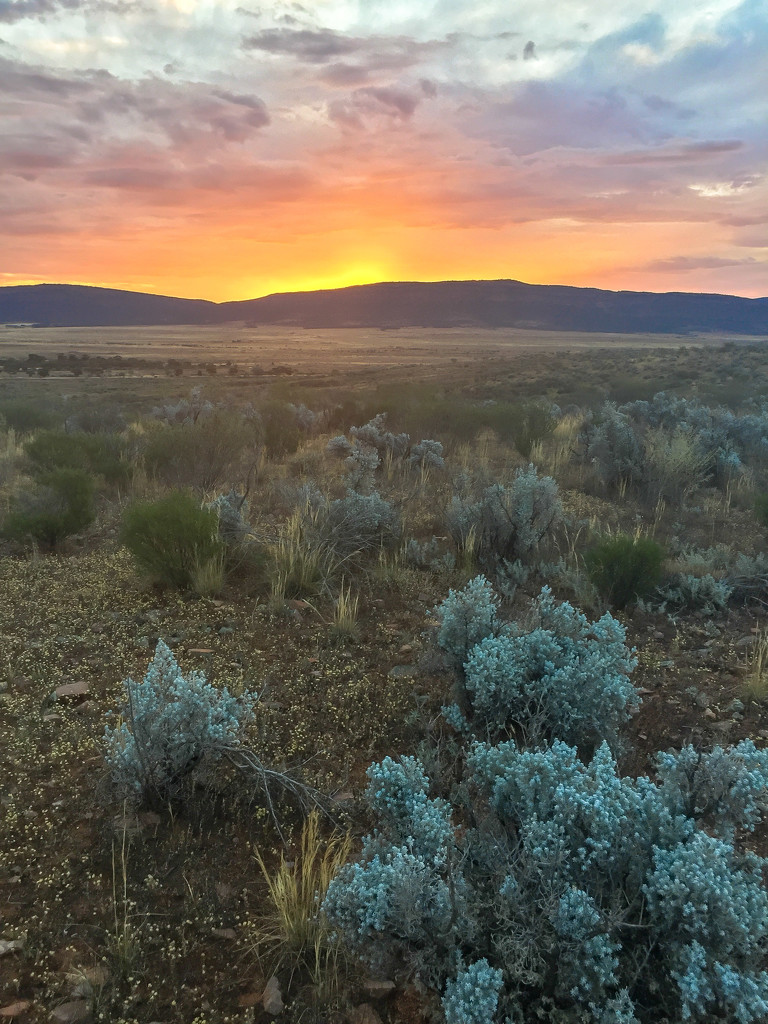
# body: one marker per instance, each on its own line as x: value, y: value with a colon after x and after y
x: 513, y: 644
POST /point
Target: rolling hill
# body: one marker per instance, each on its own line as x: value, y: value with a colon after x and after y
x: 481, y: 304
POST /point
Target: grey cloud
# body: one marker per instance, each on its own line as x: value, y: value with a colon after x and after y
x: 29, y: 155
x: 18, y: 10
x: 371, y: 53
x: 370, y: 103
x: 547, y: 115
x: 54, y: 120
x: 182, y: 110
x: 131, y: 178
x: 689, y: 153
x: 428, y: 87
x: 343, y: 75
x: 396, y: 101
x: 315, y: 46
x: 529, y: 50
x: 677, y: 263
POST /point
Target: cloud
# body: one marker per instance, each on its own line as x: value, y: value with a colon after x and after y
x: 529, y: 50
x: 373, y: 102
x: 315, y: 46
x: 372, y: 52
x: 343, y: 75
x: 691, y: 152
x: 12, y: 11
x: 688, y: 263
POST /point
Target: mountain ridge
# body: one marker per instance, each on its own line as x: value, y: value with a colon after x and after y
x: 395, y: 304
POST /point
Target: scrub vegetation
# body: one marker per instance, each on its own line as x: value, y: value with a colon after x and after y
x: 439, y: 698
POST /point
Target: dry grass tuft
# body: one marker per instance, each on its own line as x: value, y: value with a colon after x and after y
x: 756, y: 663
x: 293, y: 930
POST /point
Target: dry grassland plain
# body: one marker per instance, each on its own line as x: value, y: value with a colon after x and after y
x: 502, y: 363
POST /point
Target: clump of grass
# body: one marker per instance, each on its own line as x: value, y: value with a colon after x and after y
x: 346, y: 606
x: 467, y: 551
x: 756, y: 680
x: 302, y: 564
x: 293, y: 930
x: 123, y: 941
x: 209, y: 574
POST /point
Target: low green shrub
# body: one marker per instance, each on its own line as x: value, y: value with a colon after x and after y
x: 624, y: 568
x: 761, y: 510
x: 61, y: 503
x: 281, y: 434
x: 25, y: 416
x: 172, y: 539
x: 101, y: 454
x: 203, y: 454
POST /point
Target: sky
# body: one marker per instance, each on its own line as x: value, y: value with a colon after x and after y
x: 226, y: 150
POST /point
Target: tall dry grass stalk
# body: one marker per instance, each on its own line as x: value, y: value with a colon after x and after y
x: 554, y: 454
x: 123, y: 941
x: 292, y: 931
x: 302, y: 564
x: 208, y: 575
x: 756, y: 664
x: 345, y: 612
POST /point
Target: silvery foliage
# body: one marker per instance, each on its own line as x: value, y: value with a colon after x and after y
x: 473, y: 995
x: 611, y: 445
x: 171, y: 722
x: 686, y: 592
x: 307, y: 420
x: 599, y: 895
x: 428, y: 454
x: 465, y: 618
x: 232, y: 510
x: 566, y: 678
x: 730, y: 438
x: 422, y: 554
x: 361, y: 465
x: 339, y: 446
x: 358, y: 522
x: 744, y: 576
x: 724, y: 786
x: 374, y: 434
x: 306, y: 496
x: 508, y: 576
x: 507, y: 522
x: 186, y: 410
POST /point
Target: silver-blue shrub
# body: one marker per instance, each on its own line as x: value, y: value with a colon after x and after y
x: 171, y: 723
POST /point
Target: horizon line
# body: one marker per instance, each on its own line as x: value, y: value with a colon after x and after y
x: 374, y: 284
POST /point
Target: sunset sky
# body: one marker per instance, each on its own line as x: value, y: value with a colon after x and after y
x: 226, y: 150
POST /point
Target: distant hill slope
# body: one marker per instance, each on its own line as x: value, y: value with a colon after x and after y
x: 401, y: 304
x: 74, y: 305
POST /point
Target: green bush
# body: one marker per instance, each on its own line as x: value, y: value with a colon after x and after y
x: 625, y: 568
x: 25, y: 416
x: 172, y: 540
x: 761, y: 510
x: 281, y: 433
x: 203, y: 455
x: 60, y: 505
x: 101, y: 454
